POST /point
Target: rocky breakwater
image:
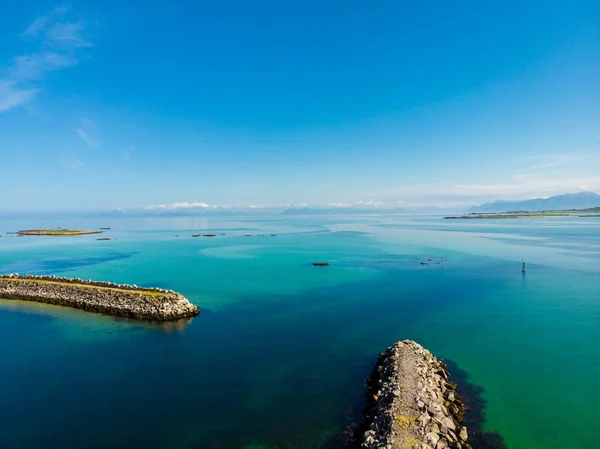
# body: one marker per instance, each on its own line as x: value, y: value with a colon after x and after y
x: 411, y: 403
x: 124, y: 300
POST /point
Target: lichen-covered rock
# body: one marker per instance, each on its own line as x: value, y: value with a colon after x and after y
x: 411, y: 403
x: 103, y: 297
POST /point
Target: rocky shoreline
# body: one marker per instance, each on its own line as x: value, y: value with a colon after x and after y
x: 131, y: 301
x: 411, y: 403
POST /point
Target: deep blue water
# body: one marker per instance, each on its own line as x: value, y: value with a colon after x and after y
x: 279, y: 354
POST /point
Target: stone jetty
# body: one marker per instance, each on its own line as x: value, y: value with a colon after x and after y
x: 411, y: 403
x: 124, y: 300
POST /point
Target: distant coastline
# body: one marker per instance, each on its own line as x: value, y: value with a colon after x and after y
x: 527, y: 214
x: 502, y: 216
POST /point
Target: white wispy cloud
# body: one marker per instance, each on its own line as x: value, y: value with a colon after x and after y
x: 12, y: 96
x: 32, y: 67
x: 66, y: 35
x: 297, y: 205
x: 86, y: 133
x: 176, y: 206
x: 518, y: 187
x: 36, y: 26
x: 58, y: 41
x: 548, y: 162
x: 531, y: 177
x: 71, y: 161
x: 369, y: 203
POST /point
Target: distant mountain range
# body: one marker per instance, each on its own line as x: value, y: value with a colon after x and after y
x: 581, y: 200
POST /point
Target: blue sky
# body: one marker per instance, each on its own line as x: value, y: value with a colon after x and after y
x: 234, y: 103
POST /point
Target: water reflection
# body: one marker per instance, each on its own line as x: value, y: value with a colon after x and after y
x: 68, y: 314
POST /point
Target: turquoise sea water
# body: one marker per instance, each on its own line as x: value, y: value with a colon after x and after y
x: 280, y: 352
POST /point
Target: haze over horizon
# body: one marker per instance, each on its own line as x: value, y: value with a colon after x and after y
x: 263, y: 104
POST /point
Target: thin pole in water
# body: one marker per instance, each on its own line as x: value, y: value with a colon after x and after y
x: 523, y: 267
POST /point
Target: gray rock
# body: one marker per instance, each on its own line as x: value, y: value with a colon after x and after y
x: 433, y: 437
x: 442, y: 444
x: 449, y: 423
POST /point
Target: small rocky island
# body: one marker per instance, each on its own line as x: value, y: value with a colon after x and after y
x: 56, y: 232
x: 411, y: 403
x: 131, y: 301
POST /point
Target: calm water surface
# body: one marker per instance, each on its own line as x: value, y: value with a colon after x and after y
x: 279, y: 354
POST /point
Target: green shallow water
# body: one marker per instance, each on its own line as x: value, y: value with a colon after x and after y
x: 279, y: 354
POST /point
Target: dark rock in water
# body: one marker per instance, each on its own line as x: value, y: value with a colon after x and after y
x: 320, y: 264
x: 424, y: 263
x: 209, y: 235
x: 247, y: 235
x: 273, y: 235
x: 105, y: 229
x: 196, y: 235
x: 105, y: 238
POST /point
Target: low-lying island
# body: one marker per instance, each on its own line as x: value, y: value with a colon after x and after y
x: 129, y: 301
x: 57, y: 232
x: 411, y: 403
